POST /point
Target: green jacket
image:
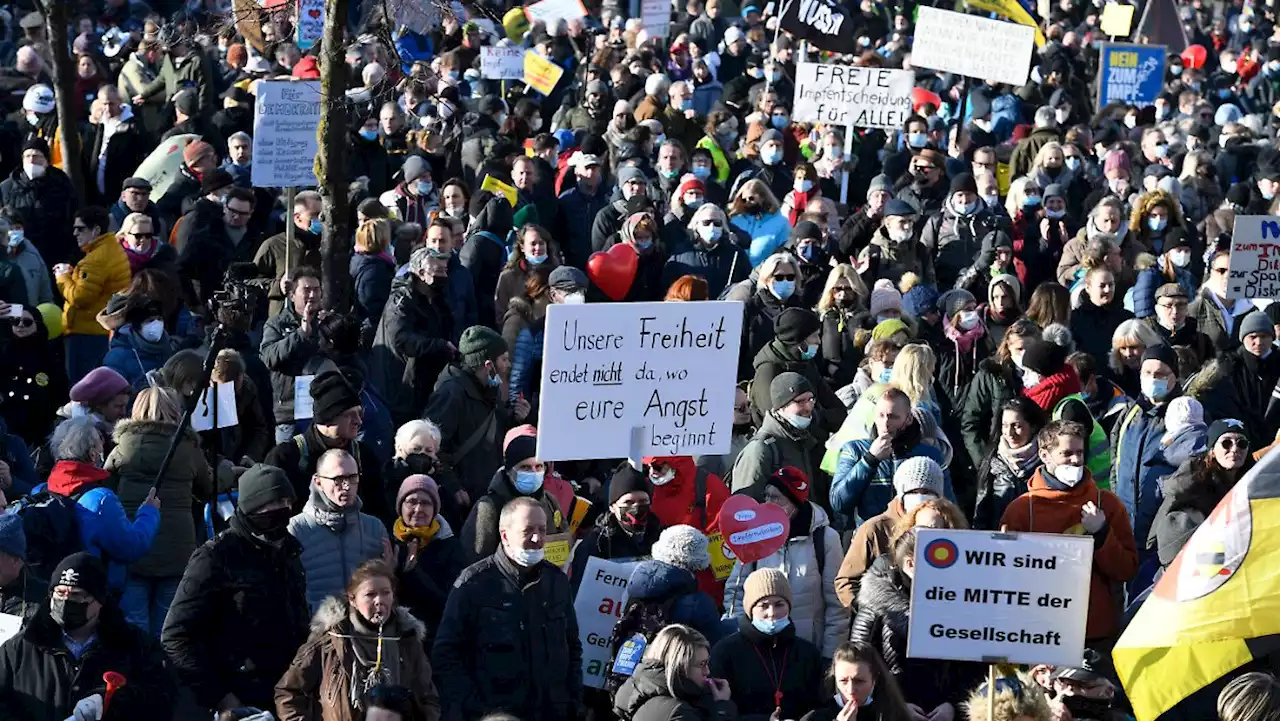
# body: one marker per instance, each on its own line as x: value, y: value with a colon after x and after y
x: 993, y: 385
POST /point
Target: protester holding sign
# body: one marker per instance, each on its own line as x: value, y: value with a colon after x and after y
x: 626, y: 531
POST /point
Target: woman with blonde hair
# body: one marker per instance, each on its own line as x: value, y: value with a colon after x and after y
x: 141, y: 443
x: 755, y: 211
x: 1015, y: 700
x: 913, y: 374
x: 1129, y: 341
x: 372, y: 269
x: 673, y: 681
x: 842, y: 309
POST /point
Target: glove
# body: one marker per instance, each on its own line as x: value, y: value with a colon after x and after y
x: 88, y: 708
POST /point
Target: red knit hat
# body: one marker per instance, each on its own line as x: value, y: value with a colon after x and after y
x: 690, y: 182
x: 793, y: 482
x: 306, y: 69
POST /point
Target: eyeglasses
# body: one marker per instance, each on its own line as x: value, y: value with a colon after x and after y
x: 419, y: 503
x: 785, y: 276
x: 1233, y: 443
x: 978, y: 164
x: 239, y: 213
x: 741, y: 408
x: 1172, y: 306
x: 343, y: 481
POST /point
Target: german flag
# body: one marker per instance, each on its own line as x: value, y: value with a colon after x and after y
x: 1217, y: 606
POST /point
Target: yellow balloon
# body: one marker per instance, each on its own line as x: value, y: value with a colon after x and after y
x: 52, y: 316
x: 516, y: 24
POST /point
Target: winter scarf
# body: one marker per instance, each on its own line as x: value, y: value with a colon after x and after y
x: 1054, y: 388
x: 965, y: 340
x: 375, y: 655
x: 1023, y: 459
x: 422, y: 534
x: 138, y: 260
x: 327, y: 514
x: 799, y: 202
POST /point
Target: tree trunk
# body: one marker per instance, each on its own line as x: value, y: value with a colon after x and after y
x: 64, y: 84
x: 331, y: 160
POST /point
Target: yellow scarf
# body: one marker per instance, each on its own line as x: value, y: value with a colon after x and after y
x: 424, y: 534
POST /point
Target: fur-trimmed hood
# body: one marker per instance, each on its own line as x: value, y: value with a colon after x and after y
x: 1149, y: 200
x: 129, y: 427
x: 335, y: 610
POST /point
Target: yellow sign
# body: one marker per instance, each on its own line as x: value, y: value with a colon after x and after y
x: 557, y: 552
x: 541, y: 74
x: 1117, y: 19
x: 722, y: 558
x: 493, y: 185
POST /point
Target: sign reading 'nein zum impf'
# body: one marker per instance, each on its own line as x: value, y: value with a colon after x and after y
x: 663, y: 371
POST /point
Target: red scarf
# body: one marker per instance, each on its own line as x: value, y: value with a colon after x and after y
x: 800, y: 201
x: 1049, y: 391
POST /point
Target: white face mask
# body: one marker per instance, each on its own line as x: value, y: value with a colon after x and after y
x: 899, y: 236
x: 527, y: 557
x: 33, y: 170
x: 574, y: 299
x: 663, y: 479
x: 1069, y: 475
x: 969, y: 319
x: 1180, y: 258
x: 1030, y: 378
x: 153, y: 330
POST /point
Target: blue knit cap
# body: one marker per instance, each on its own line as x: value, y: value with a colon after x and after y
x: 919, y: 300
x: 13, y: 540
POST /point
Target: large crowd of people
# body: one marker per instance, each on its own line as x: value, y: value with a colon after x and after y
x: 1011, y: 313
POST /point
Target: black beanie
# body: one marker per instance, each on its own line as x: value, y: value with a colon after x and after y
x: 628, y: 480
x: 38, y: 144
x: 793, y: 325
x: 83, y: 571
x: 965, y: 182
x: 1163, y: 353
x: 1043, y: 357
x: 263, y: 484
x: 331, y: 394
x: 520, y: 448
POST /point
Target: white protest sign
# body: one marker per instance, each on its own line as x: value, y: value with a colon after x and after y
x: 655, y: 15
x: 549, y: 11
x: 852, y: 96
x: 284, y: 134
x: 302, y: 397
x: 984, y: 596
x: 10, y: 625
x: 502, y: 62
x: 1255, y: 258
x: 203, y: 417
x: 310, y: 23
x: 601, y: 598
x: 626, y: 380
x: 972, y: 46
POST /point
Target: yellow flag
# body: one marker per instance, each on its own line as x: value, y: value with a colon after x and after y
x: 493, y: 185
x: 1010, y: 10
x: 1217, y: 606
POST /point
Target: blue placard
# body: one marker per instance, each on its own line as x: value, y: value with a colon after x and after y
x: 1131, y: 74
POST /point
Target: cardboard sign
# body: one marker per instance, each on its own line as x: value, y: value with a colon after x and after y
x: 556, y: 550
x: 972, y: 46
x: 541, y: 74
x: 655, y: 15
x: 549, y: 11
x: 284, y: 133
x: 853, y: 96
x: 203, y: 417
x: 722, y: 557
x: 302, y: 398
x: 628, y: 380
x: 1130, y: 74
x: 753, y: 530
x: 1255, y: 258
x: 601, y: 598
x: 1117, y: 19
x: 1022, y: 598
x: 501, y: 62
x: 310, y: 23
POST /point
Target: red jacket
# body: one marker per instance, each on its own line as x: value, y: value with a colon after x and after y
x: 673, y: 504
x: 1045, y: 510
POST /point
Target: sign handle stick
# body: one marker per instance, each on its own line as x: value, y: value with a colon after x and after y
x: 991, y: 692
x: 777, y: 30
x: 964, y: 106
x: 288, y: 230
x: 844, y: 175
x: 637, y: 442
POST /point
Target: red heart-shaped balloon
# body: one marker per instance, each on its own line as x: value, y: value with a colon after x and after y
x: 752, y: 530
x: 614, y: 270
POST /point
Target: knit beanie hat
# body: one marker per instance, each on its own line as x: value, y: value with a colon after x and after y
x: 13, y: 539
x: 1163, y: 353
x: 520, y: 444
x: 1043, y: 357
x: 263, y: 484
x: 921, y: 299
x: 98, y: 387
x: 1183, y: 411
x: 1255, y: 323
x: 762, y: 583
x: 628, y: 480
x: 479, y: 344
x: 793, y: 325
x: 1221, y: 427
x: 885, y: 297
x: 683, y: 547
x: 793, y: 483
x: 83, y: 571
x: 888, y: 329
x: 785, y: 387
x: 964, y: 182
x: 38, y: 144
x: 918, y: 473
x: 1115, y: 160
x: 195, y: 150
x: 1010, y: 280
x: 953, y: 300
x: 414, y: 483
x: 332, y: 393
x: 688, y: 182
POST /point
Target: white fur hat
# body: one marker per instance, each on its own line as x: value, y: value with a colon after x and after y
x: 684, y: 547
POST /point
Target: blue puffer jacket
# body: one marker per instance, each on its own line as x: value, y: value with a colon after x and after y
x: 132, y: 356
x: 1140, y: 466
x: 658, y: 581
x: 1150, y: 280
x: 768, y: 233
x: 105, y: 528
x: 858, y: 486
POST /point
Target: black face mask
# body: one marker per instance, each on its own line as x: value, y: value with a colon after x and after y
x: 271, y: 525
x: 422, y: 463
x: 633, y: 518
x: 69, y: 615
x: 1084, y: 708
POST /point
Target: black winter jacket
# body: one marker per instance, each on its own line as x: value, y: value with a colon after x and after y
x: 757, y: 327
x: 646, y: 697
x: 998, y: 485
x: 287, y: 352
x: 1093, y: 326
x: 461, y: 408
x: 752, y: 662
x: 46, y: 206
x: 508, y: 642
x: 41, y: 681
x: 424, y: 588
x: 992, y: 385
x: 608, y: 540
x: 298, y: 458
x: 411, y: 347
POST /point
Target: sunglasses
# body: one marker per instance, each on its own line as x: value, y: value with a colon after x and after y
x: 141, y: 236
x: 78, y: 228
x: 22, y: 322
x: 1232, y: 443
x: 785, y: 276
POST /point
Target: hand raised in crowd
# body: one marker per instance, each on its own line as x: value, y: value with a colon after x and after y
x: 62, y: 269
x: 520, y: 409
x: 6, y: 477
x: 1092, y: 517
x: 461, y: 497
x: 388, y: 552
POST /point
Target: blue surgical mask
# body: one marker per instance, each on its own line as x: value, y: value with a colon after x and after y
x: 770, y: 627
x: 686, y: 104
x: 702, y: 172
x: 808, y: 251
x: 527, y: 482
x: 495, y: 381
x: 424, y: 187
x: 1032, y: 201
x: 809, y: 352
x: 771, y: 157
x: 669, y: 173
x: 1157, y: 223
x: 1073, y: 162
x: 644, y: 245
x: 918, y: 140
x: 803, y: 186
x: 1155, y: 388
x: 316, y: 227
x: 780, y: 121
x: 369, y: 134
x: 693, y: 204
x: 15, y: 238
x: 969, y: 208
x: 885, y: 375
x: 783, y: 289
x: 535, y: 259
x: 801, y: 422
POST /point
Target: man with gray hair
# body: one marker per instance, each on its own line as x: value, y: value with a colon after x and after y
x: 103, y: 528
x: 516, y: 601
x: 412, y: 343
x: 239, y: 160
x: 1046, y: 131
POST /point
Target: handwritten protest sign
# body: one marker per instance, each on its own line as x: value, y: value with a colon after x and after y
x: 620, y: 379
x: 601, y: 598
x: 501, y: 62
x: 549, y: 11
x: 541, y: 74
x: 982, y: 596
x: 284, y: 134
x: 753, y: 530
x: 972, y: 46
x: 1255, y: 258
x: 310, y: 23
x: 860, y: 97
x: 1130, y: 74
x: 302, y: 404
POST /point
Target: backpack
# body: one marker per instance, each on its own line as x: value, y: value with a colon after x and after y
x: 640, y: 623
x: 49, y: 520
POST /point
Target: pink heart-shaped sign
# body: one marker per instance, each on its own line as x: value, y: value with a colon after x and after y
x: 752, y: 530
